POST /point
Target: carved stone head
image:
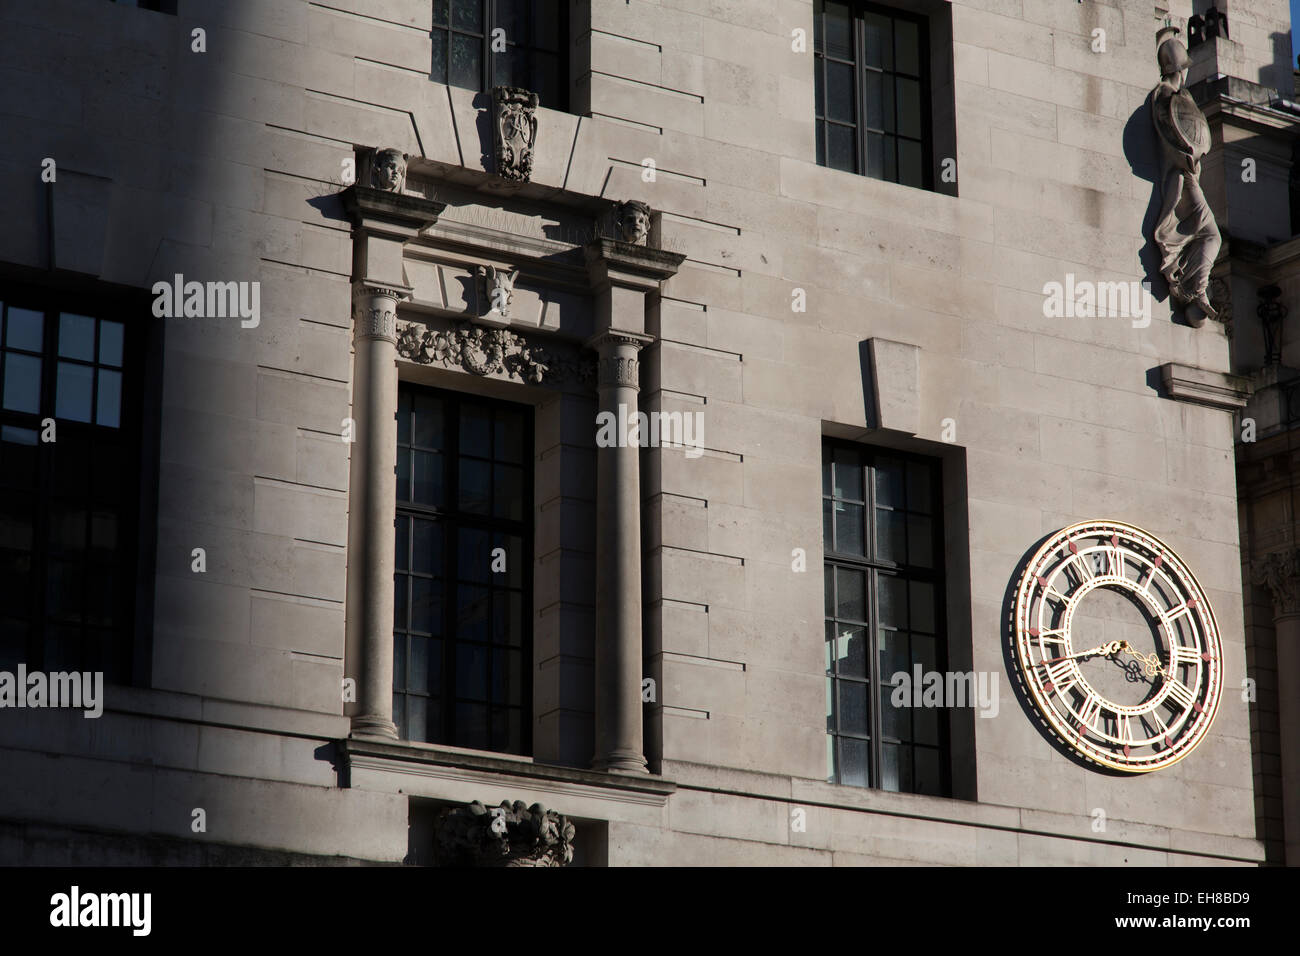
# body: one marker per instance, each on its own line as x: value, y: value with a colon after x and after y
x: 1171, y: 55
x: 388, y: 170
x: 633, y: 222
x: 498, y: 288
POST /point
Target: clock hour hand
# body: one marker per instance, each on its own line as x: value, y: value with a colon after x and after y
x: 1114, y: 647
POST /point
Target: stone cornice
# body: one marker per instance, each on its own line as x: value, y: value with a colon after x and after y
x: 410, y: 758
x: 1280, y: 573
x: 1187, y: 383
x: 557, y: 262
x: 1247, y: 105
x: 614, y: 262
x: 398, y: 214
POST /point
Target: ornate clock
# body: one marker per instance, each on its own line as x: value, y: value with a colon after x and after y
x: 1136, y: 691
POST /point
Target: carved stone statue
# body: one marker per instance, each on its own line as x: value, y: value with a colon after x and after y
x: 514, y: 131
x: 498, y: 287
x: 388, y: 170
x: 1185, y: 231
x: 633, y: 222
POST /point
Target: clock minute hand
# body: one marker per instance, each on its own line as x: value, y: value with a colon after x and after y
x: 1112, y: 647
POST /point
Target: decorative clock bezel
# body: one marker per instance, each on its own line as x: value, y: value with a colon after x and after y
x: 1095, y: 554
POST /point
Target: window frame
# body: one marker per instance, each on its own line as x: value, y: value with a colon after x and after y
x: 136, y: 435
x: 452, y: 520
x: 873, y: 567
x: 857, y: 12
x: 491, y: 21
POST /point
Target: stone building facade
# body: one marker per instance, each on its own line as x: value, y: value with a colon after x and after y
x: 390, y: 538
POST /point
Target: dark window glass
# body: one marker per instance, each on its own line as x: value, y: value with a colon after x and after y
x: 872, y: 91
x: 884, y: 615
x: 159, y: 6
x: 462, y: 641
x: 478, y: 44
x: 69, y: 483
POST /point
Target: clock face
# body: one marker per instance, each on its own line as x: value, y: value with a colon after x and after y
x: 1117, y: 646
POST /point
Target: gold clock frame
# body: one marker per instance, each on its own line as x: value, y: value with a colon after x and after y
x: 1100, y: 552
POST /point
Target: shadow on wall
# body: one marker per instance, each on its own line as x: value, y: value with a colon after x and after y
x: 1143, y: 154
x: 1280, y: 76
x: 482, y: 103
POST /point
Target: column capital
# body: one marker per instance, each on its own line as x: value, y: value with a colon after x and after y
x: 603, y: 342
x: 1280, y: 573
x: 376, y: 310
x: 387, y: 289
x: 618, y: 364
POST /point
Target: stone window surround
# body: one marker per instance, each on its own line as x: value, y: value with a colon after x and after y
x: 395, y: 229
x: 139, y: 429
x: 941, y: 125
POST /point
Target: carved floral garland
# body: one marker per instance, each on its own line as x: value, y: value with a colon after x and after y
x: 509, y: 835
x: 481, y: 351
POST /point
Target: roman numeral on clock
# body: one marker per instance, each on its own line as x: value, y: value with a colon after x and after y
x: 1059, y: 677
x: 1116, y: 562
x: 1050, y: 593
x: 1124, y: 731
x: 1183, y: 695
x: 1174, y: 614
x: 1055, y: 635
x: 1090, y: 712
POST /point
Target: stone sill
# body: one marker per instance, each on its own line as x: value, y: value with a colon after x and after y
x: 371, y: 749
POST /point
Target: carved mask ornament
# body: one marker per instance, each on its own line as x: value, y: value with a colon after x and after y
x: 498, y: 288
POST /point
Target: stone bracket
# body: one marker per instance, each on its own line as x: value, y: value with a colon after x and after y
x: 895, y: 385
x: 1198, y: 386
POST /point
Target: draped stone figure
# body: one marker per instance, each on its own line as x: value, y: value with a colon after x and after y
x: 1185, y: 230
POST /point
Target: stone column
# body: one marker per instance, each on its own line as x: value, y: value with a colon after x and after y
x: 1281, y: 572
x: 622, y: 273
x: 374, y: 501
x: 618, y: 561
x: 384, y: 220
